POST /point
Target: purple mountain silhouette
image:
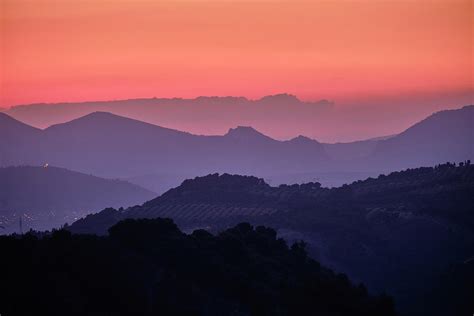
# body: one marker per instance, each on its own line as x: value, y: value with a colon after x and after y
x: 444, y: 136
x: 111, y: 146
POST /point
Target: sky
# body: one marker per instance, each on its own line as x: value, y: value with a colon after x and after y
x: 352, y: 52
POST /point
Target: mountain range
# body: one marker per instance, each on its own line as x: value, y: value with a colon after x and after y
x: 401, y: 232
x: 281, y: 116
x: 211, y: 114
x: 159, y: 158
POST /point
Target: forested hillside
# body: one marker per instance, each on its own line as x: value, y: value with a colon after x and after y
x: 149, y: 267
x: 431, y: 191
x: 397, y: 233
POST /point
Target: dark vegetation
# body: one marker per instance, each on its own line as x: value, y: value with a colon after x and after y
x: 149, y: 267
x: 401, y: 233
x: 443, y: 192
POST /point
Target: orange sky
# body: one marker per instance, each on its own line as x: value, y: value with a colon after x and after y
x: 346, y: 51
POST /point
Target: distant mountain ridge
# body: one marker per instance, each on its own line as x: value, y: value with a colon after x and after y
x: 124, y: 148
x: 280, y: 116
x: 180, y: 113
x: 151, y: 155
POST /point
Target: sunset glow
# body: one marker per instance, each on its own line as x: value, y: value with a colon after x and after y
x: 346, y: 51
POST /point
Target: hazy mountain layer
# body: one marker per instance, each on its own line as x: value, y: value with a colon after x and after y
x: 202, y: 115
x: 159, y: 158
x: 49, y: 197
x: 281, y: 116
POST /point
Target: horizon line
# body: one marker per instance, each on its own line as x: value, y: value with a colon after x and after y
x: 322, y: 101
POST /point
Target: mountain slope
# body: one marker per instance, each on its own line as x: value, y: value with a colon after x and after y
x: 444, y: 136
x: 18, y: 141
x: 11, y: 128
x: 50, y: 197
x: 121, y: 147
x: 396, y: 233
x: 418, y: 191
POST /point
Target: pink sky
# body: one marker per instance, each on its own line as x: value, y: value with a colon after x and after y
x: 55, y: 51
x: 391, y: 54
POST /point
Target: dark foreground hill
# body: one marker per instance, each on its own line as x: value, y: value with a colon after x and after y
x: 149, y: 267
x: 49, y: 197
x: 398, y: 233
